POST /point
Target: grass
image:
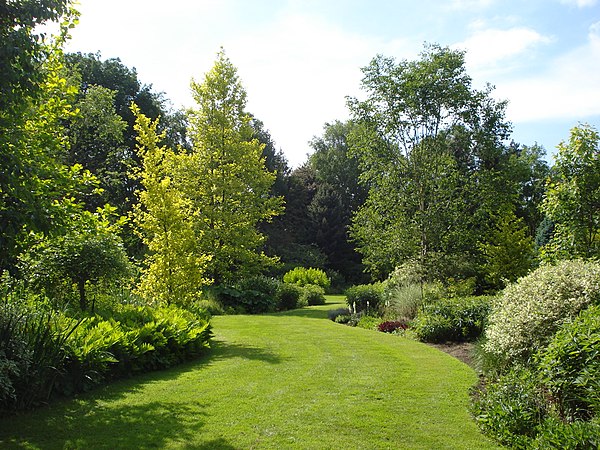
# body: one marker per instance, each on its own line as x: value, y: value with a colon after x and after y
x: 288, y: 380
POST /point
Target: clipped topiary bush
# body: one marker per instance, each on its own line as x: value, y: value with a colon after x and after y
x: 530, y: 312
x: 313, y: 295
x: 453, y: 319
x: 364, y: 297
x: 303, y: 277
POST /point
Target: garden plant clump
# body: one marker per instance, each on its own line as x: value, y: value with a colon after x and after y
x: 540, y: 355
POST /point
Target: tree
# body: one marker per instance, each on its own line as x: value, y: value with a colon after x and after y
x: 37, y: 189
x: 508, y: 251
x: 425, y: 135
x: 572, y: 199
x: 338, y: 196
x: 97, y: 143
x: 166, y: 220
x: 225, y: 176
x: 89, y: 252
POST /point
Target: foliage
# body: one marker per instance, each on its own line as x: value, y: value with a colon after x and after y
x: 430, y: 147
x: 312, y: 295
x: 174, y: 269
x: 364, y: 297
x: 333, y: 314
x: 556, y: 434
x: 44, y: 353
x: 508, y: 252
x: 368, y: 322
x: 39, y: 193
x: 453, y: 319
x: 258, y: 294
x: 569, y: 368
x: 224, y: 178
x: 303, y: 277
x: 529, y: 312
x: 573, y: 196
x: 89, y: 252
x: 288, y: 296
x: 338, y: 195
x: 511, y: 408
x: 31, y: 355
x: 392, y: 326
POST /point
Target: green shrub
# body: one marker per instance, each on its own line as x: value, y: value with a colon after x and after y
x: 333, y: 314
x: 510, y: 409
x: 254, y: 295
x: 364, y: 297
x: 288, y: 296
x: 529, y: 313
x: 313, y: 295
x: 303, y: 277
x: 454, y: 319
x: 368, y: 322
x: 556, y: 434
x: 569, y: 367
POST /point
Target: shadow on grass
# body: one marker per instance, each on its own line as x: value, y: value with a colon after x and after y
x: 101, y: 419
x: 97, y: 424
x: 224, y: 350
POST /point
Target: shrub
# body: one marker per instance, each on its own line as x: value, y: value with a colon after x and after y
x: 254, y: 295
x: 364, y: 297
x: 313, y: 295
x: 368, y: 322
x: 569, y: 367
x: 391, y: 326
x: 530, y: 312
x: 303, y: 277
x: 333, y: 314
x: 454, y: 319
x: 511, y: 408
x: 288, y: 296
x: 556, y: 434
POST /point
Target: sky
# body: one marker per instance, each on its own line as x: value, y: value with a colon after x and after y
x: 299, y: 59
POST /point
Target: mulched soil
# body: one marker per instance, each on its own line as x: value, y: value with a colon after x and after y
x: 461, y: 351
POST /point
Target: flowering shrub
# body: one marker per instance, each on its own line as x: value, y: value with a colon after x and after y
x: 392, y: 325
x: 530, y: 312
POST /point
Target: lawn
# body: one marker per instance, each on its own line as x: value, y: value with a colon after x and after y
x: 287, y: 380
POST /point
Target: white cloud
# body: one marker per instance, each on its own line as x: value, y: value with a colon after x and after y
x: 568, y: 89
x: 486, y: 48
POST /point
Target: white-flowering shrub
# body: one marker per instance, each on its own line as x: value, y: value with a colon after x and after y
x: 529, y: 312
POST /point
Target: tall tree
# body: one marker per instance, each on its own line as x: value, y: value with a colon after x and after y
x: 225, y: 176
x: 338, y: 196
x: 36, y: 187
x: 427, y: 140
x: 166, y: 219
x: 572, y: 200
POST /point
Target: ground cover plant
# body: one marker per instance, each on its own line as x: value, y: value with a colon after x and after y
x: 286, y: 380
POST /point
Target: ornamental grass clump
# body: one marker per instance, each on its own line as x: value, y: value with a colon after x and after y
x: 530, y: 312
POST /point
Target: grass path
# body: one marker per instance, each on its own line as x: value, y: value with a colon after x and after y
x: 290, y: 380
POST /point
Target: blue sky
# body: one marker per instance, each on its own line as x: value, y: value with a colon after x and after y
x: 299, y: 59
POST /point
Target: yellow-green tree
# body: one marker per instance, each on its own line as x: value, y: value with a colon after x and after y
x: 165, y: 219
x: 224, y: 177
